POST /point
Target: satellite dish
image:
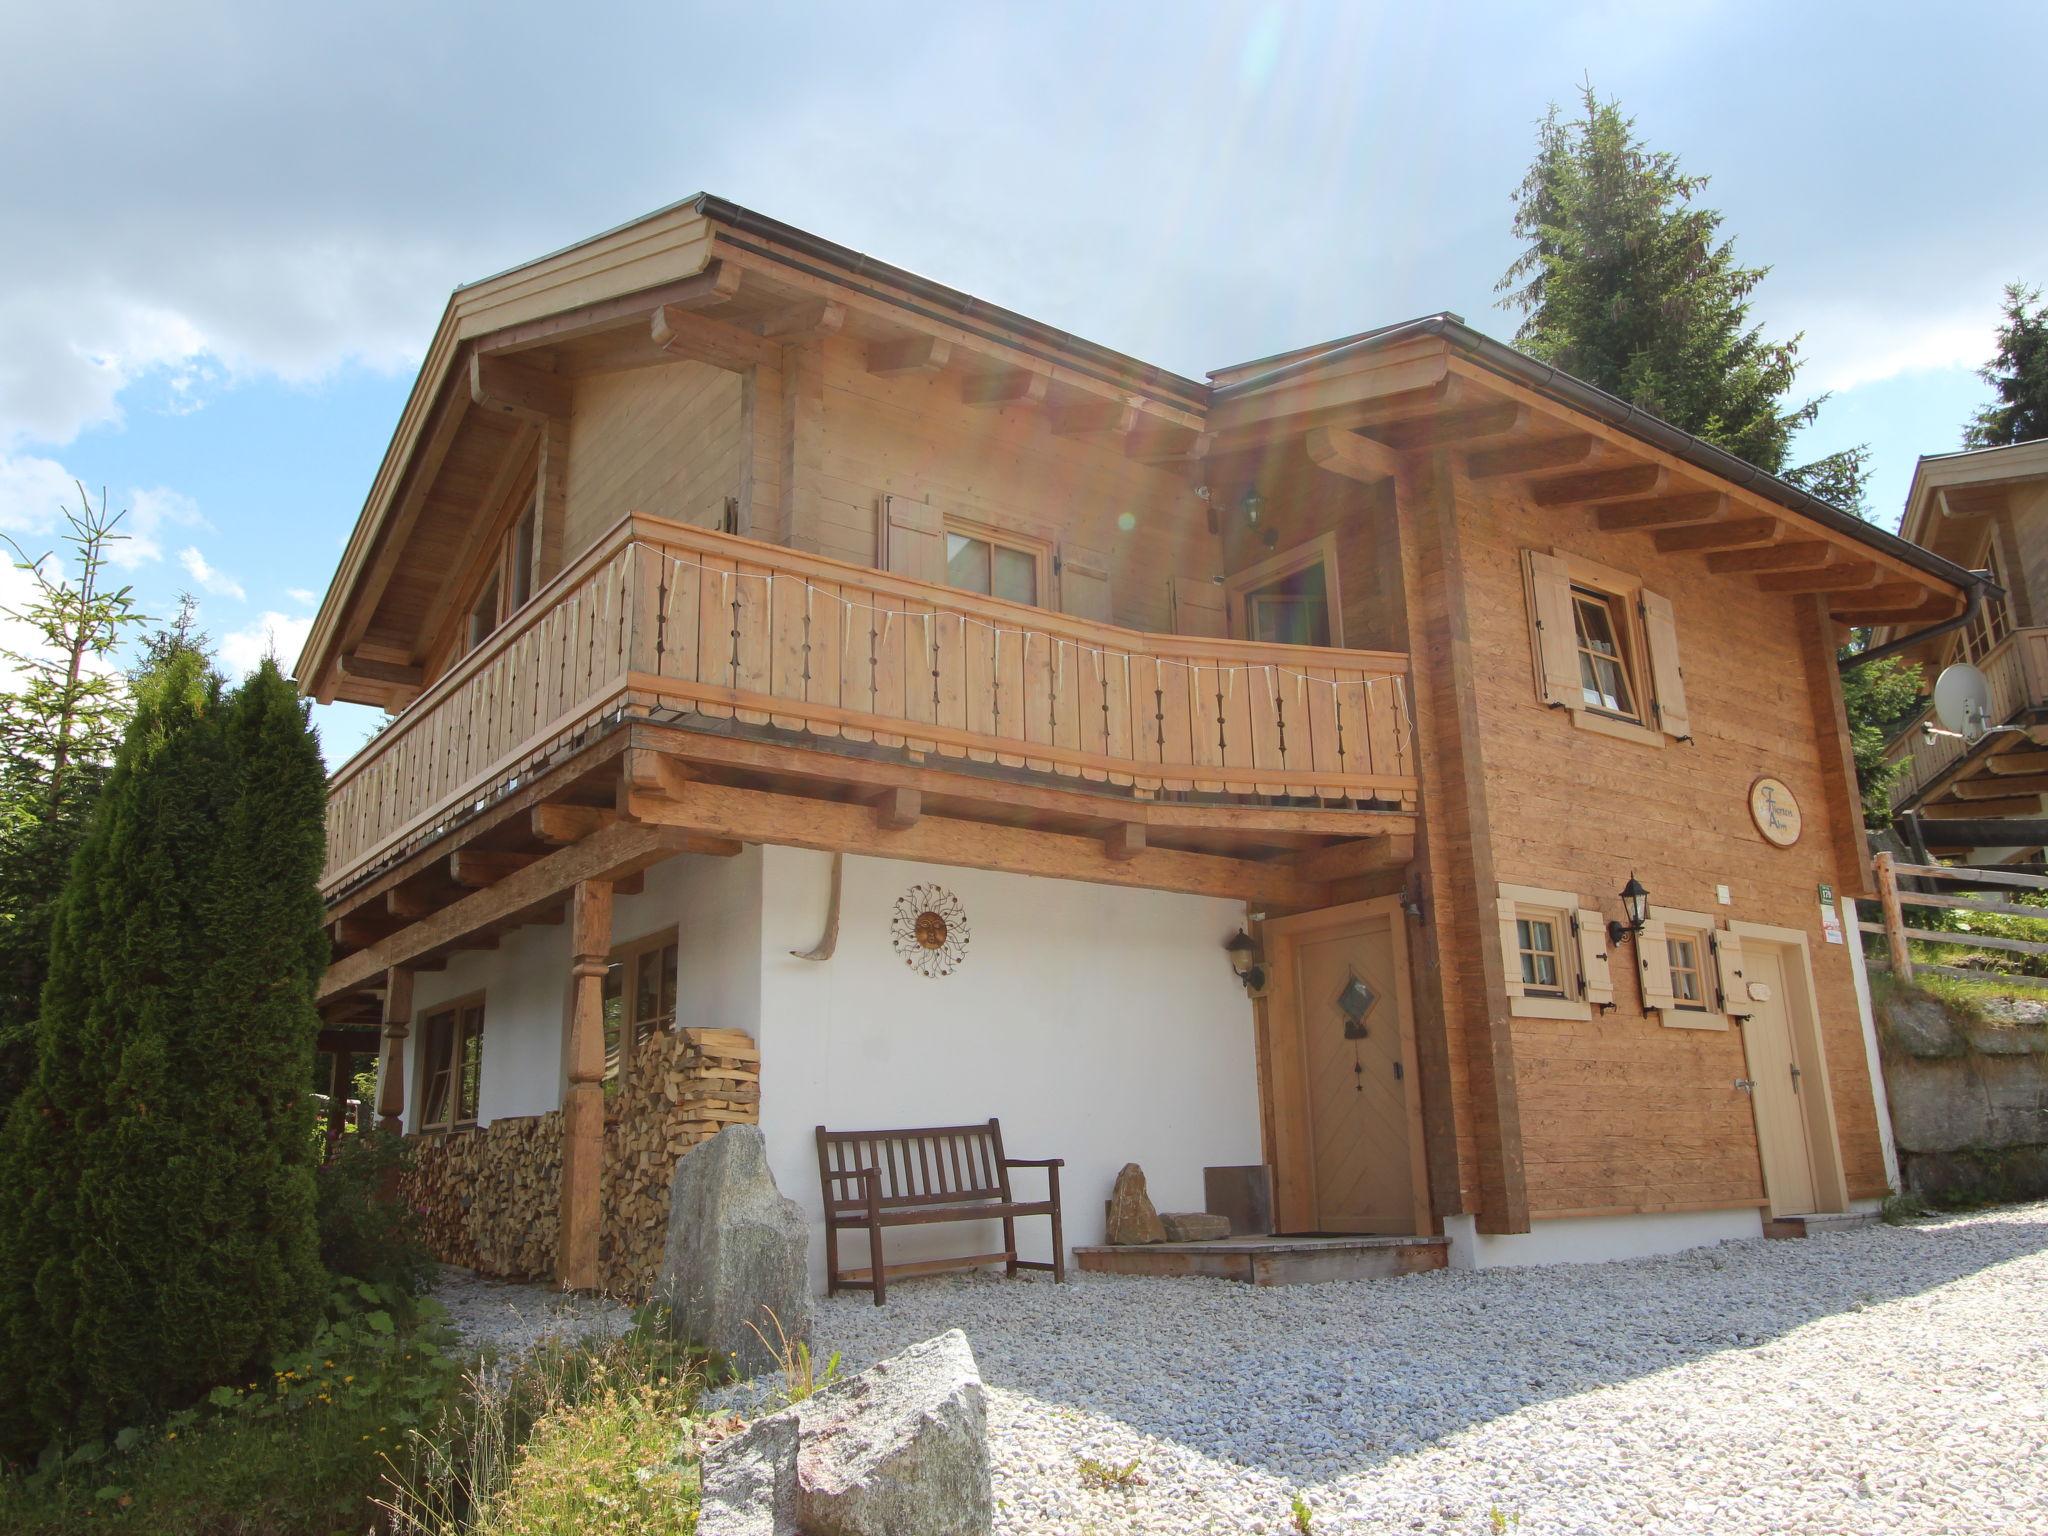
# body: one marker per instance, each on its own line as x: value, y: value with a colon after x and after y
x: 1962, y: 700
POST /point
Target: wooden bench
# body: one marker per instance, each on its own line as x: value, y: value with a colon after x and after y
x: 877, y: 1179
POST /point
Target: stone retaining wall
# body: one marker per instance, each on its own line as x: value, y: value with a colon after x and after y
x: 1969, y: 1101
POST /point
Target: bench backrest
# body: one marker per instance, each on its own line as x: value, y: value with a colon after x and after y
x: 935, y: 1165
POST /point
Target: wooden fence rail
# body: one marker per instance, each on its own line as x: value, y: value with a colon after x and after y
x: 1892, y: 902
x: 663, y: 616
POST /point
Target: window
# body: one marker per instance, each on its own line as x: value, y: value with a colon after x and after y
x: 1554, y: 954
x: 1994, y: 620
x: 1600, y: 622
x: 451, y: 1065
x: 639, y: 998
x: 1679, y: 957
x: 508, y: 576
x: 1290, y: 599
x: 979, y: 561
x: 1605, y: 649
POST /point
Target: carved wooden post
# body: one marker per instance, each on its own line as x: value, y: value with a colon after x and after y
x: 1894, y: 919
x: 397, y: 1025
x: 590, y: 946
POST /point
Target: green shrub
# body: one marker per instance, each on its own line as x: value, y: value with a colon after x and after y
x: 365, y: 1229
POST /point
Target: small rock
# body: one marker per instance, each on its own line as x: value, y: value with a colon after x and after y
x: 1131, y: 1217
x: 738, y: 1255
x: 1194, y: 1226
x: 901, y: 1449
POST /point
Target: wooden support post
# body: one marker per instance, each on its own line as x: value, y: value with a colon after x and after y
x: 397, y: 1025
x: 1894, y: 919
x: 337, y: 1097
x: 590, y: 947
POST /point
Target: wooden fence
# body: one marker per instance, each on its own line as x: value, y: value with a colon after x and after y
x: 1892, y: 901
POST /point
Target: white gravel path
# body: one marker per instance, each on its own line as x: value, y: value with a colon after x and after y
x: 512, y: 1316
x: 1889, y: 1380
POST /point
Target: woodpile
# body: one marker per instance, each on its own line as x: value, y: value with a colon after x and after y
x: 490, y: 1199
x: 685, y: 1086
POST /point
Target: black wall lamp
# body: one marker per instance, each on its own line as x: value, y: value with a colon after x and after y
x: 1635, y: 910
x: 1245, y: 960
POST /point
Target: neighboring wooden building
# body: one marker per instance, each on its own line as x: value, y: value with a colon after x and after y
x: 707, y: 552
x: 1986, y: 509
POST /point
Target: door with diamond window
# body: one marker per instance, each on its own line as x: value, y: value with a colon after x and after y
x: 1346, y: 1109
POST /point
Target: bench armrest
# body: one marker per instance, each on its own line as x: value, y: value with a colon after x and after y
x: 1034, y: 1162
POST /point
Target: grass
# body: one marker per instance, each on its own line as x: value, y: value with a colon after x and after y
x: 1120, y: 1476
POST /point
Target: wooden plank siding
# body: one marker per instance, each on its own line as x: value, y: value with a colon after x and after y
x: 1619, y: 1112
x: 697, y: 622
x: 669, y: 441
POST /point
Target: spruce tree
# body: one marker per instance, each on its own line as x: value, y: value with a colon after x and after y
x: 2018, y: 375
x: 156, y: 1207
x: 1627, y: 283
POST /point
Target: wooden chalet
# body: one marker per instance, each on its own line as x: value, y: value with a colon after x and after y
x: 822, y: 697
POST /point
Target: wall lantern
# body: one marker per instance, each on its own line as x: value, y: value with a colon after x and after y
x: 1243, y: 950
x: 1635, y: 910
x: 1253, y: 506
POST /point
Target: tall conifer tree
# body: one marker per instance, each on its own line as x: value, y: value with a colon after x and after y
x: 2018, y: 375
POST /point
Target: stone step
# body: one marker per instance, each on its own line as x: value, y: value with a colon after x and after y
x: 1819, y: 1222
x: 1273, y: 1260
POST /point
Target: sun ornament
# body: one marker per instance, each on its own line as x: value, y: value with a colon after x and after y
x: 929, y: 930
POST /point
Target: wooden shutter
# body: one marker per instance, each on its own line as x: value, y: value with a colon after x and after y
x: 1596, y: 974
x: 1556, y: 644
x: 1653, y: 963
x: 1084, y: 583
x: 1728, y: 973
x: 1200, y: 607
x: 1510, y: 947
x: 913, y: 540
x: 1667, y: 680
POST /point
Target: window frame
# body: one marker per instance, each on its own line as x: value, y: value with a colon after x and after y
x: 1625, y: 594
x: 1994, y: 623
x: 632, y: 955
x: 1669, y: 925
x: 1038, y: 550
x: 459, y: 1011
x: 1240, y: 587
x: 1585, y: 982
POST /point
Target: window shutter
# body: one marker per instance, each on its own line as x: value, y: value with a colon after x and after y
x: 1653, y: 962
x: 1510, y: 949
x: 1728, y: 972
x: 1557, y: 652
x: 1200, y: 607
x: 1084, y: 583
x: 1596, y: 974
x: 1667, y: 680
x: 914, y: 540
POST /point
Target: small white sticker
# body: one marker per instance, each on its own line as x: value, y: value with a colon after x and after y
x: 1831, y: 924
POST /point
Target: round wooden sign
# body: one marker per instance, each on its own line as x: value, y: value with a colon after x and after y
x: 1775, y: 811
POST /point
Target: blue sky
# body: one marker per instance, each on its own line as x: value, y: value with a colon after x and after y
x: 230, y: 229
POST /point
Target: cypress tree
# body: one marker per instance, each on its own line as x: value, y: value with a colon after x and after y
x: 156, y: 1206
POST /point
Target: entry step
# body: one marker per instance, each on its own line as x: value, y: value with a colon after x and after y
x: 1813, y: 1226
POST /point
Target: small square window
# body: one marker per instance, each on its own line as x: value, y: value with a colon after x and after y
x: 978, y: 564
x: 1688, y: 982
x: 1536, y: 938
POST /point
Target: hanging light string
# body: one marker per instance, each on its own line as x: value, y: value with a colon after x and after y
x: 1226, y: 672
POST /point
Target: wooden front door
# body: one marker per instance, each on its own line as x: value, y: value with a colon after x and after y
x: 1779, y: 1085
x: 1346, y: 1109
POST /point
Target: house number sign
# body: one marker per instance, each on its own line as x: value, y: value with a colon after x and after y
x: 1775, y: 811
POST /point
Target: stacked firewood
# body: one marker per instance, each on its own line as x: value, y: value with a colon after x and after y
x: 491, y: 1198
x: 684, y: 1087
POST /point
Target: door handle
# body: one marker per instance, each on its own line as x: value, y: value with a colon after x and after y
x: 1745, y: 1084
x: 1796, y: 1075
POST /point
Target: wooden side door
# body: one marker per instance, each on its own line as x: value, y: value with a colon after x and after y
x: 1778, y: 1084
x: 1346, y: 1105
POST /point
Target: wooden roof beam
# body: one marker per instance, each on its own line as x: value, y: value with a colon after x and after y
x: 1843, y: 576
x: 1787, y: 555
x: 1528, y: 458
x: 478, y: 868
x: 1453, y: 426
x: 1094, y: 418
x: 1348, y: 454
x: 2005, y: 784
x: 517, y: 389
x: 1597, y: 485
x: 2022, y: 762
x: 1168, y: 445
x: 1935, y: 609
x: 803, y: 322
x: 677, y: 330
x: 1902, y: 596
x: 1735, y: 533
x: 1971, y: 810
x: 370, y: 670
x: 909, y: 354
x: 1663, y: 511
x: 559, y: 825
x: 1005, y: 386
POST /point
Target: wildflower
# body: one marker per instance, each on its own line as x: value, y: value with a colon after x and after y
x: 172, y: 1435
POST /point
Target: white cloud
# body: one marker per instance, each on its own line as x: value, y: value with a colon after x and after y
x: 276, y: 635
x: 210, y: 579
x: 303, y: 597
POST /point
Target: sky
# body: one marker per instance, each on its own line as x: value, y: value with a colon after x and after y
x: 227, y: 231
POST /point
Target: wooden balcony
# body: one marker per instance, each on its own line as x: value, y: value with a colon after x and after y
x: 2017, y: 671
x: 677, y: 625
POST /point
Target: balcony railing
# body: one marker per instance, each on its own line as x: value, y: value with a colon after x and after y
x: 2017, y: 671
x: 660, y: 616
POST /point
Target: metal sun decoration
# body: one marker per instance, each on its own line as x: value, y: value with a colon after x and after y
x: 929, y: 930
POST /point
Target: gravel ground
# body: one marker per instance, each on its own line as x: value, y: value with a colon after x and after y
x: 514, y: 1317
x: 1883, y: 1379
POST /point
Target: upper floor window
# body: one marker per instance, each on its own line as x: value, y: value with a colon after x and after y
x: 1605, y: 648
x: 1607, y: 669
x: 451, y: 1065
x: 980, y: 561
x: 508, y: 579
x: 639, y: 998
x: 1994, y: 620
x: 1289, y: 598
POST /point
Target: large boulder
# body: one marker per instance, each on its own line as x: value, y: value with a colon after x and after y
x: 738, y: 1255
x: 1131, y: 1217
x: 900, y: 1449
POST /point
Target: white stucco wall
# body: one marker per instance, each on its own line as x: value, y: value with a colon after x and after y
x: 1597, y: 1239
x: 1100, y: 1025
